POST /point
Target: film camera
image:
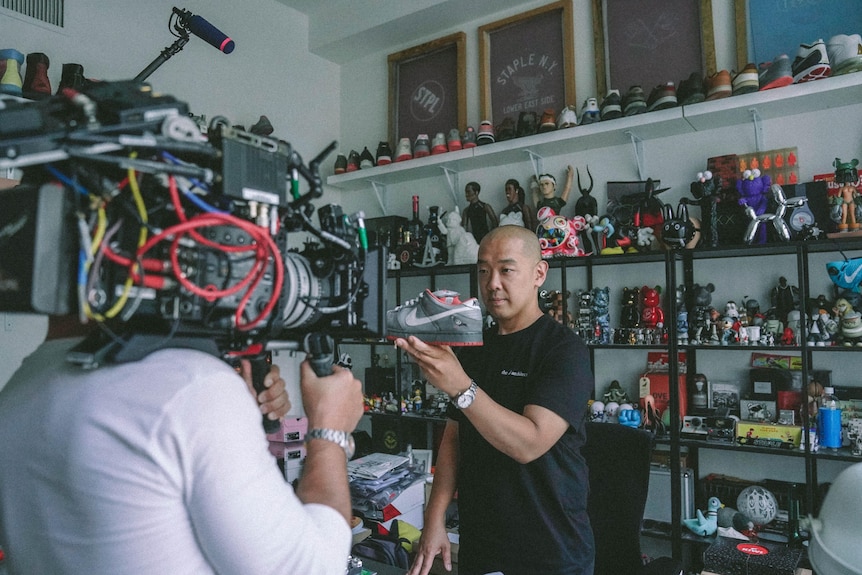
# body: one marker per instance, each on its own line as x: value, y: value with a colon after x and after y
x: 130, y: 217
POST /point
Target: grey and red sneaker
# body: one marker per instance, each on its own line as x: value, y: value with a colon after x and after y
x: 384, y: 154
x: 422, y: 146
x: 437, y: 318
x: 404, y: 150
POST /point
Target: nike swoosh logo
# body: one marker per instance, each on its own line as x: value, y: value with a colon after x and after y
x: 411, y: 320
x: 849, y: 279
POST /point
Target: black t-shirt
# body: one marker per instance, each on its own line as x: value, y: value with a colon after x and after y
x: 530, y: 518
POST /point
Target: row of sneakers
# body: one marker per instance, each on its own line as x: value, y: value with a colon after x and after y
x: 407, y: 150
x: 35, y: 83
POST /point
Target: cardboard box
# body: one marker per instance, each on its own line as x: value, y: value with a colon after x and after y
x: 733, y: 557
x: 768, y: 434
x: 292, y: 429
x: 655, y: 382
x: 293, y: 455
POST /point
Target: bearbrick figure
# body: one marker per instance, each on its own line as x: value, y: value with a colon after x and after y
x: 652, y: 315
x: 601, y: 314
x: 630, y: 317
x: 585, y: 315
x: 700, y: 315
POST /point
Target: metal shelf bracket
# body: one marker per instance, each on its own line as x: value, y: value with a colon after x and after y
x: 758, y: 128
x: 380, y: 194
x: 638, y: 146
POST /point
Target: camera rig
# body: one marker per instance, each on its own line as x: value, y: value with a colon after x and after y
x: 129, y: 216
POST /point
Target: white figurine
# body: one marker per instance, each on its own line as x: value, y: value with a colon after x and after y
x: 461, y: 244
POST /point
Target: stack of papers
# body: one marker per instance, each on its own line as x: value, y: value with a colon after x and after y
x: 375, y: 465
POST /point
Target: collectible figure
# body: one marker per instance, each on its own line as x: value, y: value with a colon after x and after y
x: 601, y: 314
x: 705, y: 190
x: 784, y: 297
x: 680, y: 231
x: 559, y: 236
x: 478, y: 217
x: 652, y: 314
x: 630, y: 317
x: 586, y: 204
x: 729, y: 330
x: 517, y: 212
x: 754, y: 193
x: 461, y: 245
x: 777, y: 218
x: 851, y: 328
x: 847, y: 175
x: 700, y: 317
x: 546, y: 196
x: 557, y: 299
x: 615, y: 393
x: 585, y: 314
x: 681, y: 316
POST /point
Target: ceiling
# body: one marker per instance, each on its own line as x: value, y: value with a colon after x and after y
x: 344, y: 30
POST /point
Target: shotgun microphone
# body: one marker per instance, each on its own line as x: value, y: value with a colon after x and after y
x: 205, y: 31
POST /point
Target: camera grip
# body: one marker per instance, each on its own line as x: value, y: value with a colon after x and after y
x: 320, y: 350
x: 259, y: 368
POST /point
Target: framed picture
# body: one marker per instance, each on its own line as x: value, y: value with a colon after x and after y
x: 724, y: 394
x: 427, y: 89
x: 651, y: 42
x: 768, y: 28
x: 758, y: 410
x: 527, y: 63
x: 422, y: 459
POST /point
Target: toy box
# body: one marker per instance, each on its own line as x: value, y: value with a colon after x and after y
x: 763, y: 434
x: 655, y: 381
x: 292, y: 429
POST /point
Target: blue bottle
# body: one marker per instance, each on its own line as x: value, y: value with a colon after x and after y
x: 829, y: 420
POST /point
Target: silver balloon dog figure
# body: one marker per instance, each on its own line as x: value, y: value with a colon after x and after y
x: 777, y: 218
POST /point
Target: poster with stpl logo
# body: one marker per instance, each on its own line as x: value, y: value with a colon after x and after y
x: 527, y: 72
x: 427, y: 95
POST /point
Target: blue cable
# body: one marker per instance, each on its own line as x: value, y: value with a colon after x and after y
x: 67, y: 180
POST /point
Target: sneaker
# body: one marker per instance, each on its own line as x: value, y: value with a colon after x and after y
x: 11, y: 81
x: 366, y: 160
x: 691, y: 90
x: 634, y: 102
x: 468, y: 139
x: 528, y: 124
x: 845, y: 53
x: 37, y: 85
x: 775, y: 74
x: 486, y: 133
x: 422, y: 146
x: 548, y: 123
x: 384, y: 154
x: 438, y: 318
x: 846, y: 274
x: 612, y: 106
x: 568, y: 118
x: 746, y: 81
x: 719, y: 85
x: 453, y: 142
x: 353, y: 161
x: 438, y: 144
x: 506, y: 129
x: 590, y: 112
x: 404, y: 151
x: 811, y: 63
x: 662, y: 97
x: 340, y: 164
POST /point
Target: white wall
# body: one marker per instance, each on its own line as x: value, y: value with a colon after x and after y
x: 270, y: 72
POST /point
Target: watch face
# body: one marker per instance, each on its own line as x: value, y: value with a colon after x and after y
x: 801, y: 217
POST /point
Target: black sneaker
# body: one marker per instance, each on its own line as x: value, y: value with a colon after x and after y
x: 634, y: 101
x: 662, y: 96
x: 353, y: 161
x: 691, y: 90
x: 611, y: 106
x: 384, y: 154
x: 528, y: 124
x: 506, y: 129
x: 366, y: 160
x: 340, y: 164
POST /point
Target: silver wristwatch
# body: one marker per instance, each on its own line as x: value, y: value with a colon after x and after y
x: 464, y: 399
x: 340, y: 438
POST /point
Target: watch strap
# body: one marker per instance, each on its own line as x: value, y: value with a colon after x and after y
x: 341, y: 438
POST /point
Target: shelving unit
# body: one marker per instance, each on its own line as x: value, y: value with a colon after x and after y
x: 675, y: 267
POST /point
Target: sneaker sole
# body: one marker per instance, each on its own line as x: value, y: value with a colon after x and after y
x: 611, y: 112
x: 439, y: 150
x: 634, y: 108
x: 384, y: 160
x: 849, y: 66
x: 778, y: 83
x: 403, y: 158
x: 746, y: 87
x: 662, y: 103
x: 719, y: 92
x: 450, y: 339
x: 814, y: 73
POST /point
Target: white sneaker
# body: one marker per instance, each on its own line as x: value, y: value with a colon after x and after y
x: 568, y: 118
x: 845, y: 53
x: 590, y: 111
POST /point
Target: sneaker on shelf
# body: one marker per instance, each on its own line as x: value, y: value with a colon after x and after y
x: 691, y: 90
x: 775, y: 74
x: 404, y: 150
x: 340, y: 164
x: 37, y: 85
x: 719, y: 85
x: 611, y: 107
x: 468, y: 139
x: 438, y: 318
x: 384, y: 154
x: 366, y: 160
x: 422, y: 146
x: 811, y: 62
x: 506, y: 129
x: 353, y: 161
x: 845, y: 53
x: 263, y: 127
x: 746, y: 81
x: 11, y: 81
x: 662, y: 97
x: 528, y: 124
x: 486, y: 133
x: 548, y: 122
x: 568, y: 118
x: 438, y: 144
x: 590, y: 112
x: 634, y: 102
x: 453, y: 142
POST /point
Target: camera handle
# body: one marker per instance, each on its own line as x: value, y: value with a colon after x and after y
x: 260, y: 365
x: 320, y: 351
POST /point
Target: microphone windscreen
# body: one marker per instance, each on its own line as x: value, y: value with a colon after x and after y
x: 212, y: 35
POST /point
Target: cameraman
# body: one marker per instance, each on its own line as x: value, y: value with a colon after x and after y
x: 161, y: 466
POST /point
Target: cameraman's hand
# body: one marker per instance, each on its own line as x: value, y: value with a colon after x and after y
x: 273, y: 401
x: 334, y: 401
